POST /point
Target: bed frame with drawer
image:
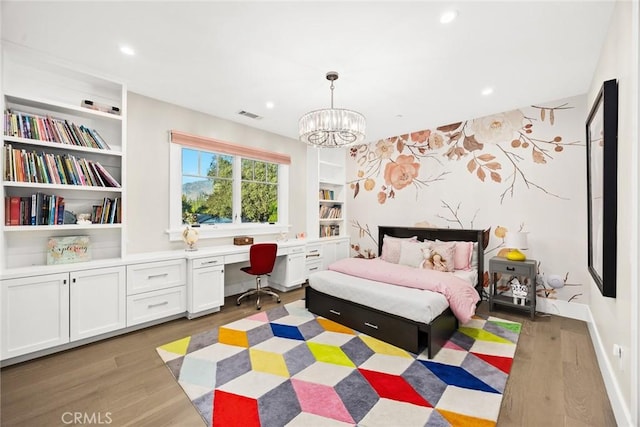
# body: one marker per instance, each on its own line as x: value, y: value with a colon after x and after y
x: 405, y: 333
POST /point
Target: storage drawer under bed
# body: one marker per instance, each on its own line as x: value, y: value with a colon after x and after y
x: 383, y: 326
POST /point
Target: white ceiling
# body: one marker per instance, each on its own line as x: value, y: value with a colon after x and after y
x: 398, y: 65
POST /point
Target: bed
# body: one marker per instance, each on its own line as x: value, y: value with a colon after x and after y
x: 413, y: 319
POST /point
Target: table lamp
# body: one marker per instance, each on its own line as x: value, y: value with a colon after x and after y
x: 516, y: 241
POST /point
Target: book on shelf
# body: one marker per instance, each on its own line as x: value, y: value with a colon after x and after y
x: 36, y: 209
x: 329, y: 230
x: 326, y: 194
x: 51, y: 129
x: 330, y: 212
x: 46, y: 168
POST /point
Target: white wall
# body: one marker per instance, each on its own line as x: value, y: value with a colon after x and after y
x: 615, y: 320
x: 149, y: 123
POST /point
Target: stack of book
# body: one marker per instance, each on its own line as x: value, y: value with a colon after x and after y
x: 37, y: 209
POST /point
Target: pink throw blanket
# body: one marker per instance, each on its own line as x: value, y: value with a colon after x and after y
x: 462, y: 297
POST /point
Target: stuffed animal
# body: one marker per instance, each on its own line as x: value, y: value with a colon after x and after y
x: 519, y: 291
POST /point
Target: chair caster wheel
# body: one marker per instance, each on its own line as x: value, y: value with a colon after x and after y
x: 258, y: 308
x: 278, y: 300
x: 237, y: 303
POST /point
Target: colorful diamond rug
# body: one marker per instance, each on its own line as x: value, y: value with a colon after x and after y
x: 288, y: 367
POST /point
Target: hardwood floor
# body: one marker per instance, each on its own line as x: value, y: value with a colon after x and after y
x: 555, y: 379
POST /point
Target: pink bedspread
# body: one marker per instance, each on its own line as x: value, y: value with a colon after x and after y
x: 462, y: 297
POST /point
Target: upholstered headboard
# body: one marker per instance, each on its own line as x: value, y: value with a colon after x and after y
x: 444, y: 234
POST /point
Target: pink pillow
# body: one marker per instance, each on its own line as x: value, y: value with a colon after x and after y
x: 463, y: 254
x: 391, y: 248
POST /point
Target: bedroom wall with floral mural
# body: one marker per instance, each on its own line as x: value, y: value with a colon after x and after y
x: 521, y: 170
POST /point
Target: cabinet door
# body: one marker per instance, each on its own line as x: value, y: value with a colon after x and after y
x: 35, y: 313
x: 207, y: 289
x: 334, y: 251
x: 98, y: 302
x: 296, y: 268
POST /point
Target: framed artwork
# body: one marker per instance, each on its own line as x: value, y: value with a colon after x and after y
x: 602, y: 197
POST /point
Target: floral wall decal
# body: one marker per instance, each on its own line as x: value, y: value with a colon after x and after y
x: 497, y: 173
x: 501, y: 148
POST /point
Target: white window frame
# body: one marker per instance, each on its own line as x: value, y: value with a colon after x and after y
x: 210, y: 231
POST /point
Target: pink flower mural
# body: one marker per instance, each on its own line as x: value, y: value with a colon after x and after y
x: 500, y: 148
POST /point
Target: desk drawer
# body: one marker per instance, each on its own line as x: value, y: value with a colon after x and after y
x: 153, y: 276
x: 313, y: 266
x: 208, y: 262
x: 156, y: 305
x: 513, y: 269
x: 313, y: 251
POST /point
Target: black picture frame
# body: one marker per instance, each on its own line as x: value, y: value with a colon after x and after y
x: 602, y: 191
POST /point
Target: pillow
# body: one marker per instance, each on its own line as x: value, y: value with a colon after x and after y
x: 391, y: 248
x: 463, y: 253
x: 442, y: 257
x: 474, y: 257
x: 412, y: 253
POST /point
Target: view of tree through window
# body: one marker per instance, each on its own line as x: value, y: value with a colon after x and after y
x: 259, y: 191
x: 208, y: 188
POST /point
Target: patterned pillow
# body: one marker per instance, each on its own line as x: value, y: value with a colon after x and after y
x: 412, y: 253
x: 441, y: 257
x: 391, y: 247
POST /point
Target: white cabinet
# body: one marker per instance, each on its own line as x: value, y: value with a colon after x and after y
x: 156, y: 290
x: 52, y: 160
x: 334, y: 250
x: 322, y: 252
x: 206, y: 285
x: 35, y: 313
x: 289, y: 270
x: 97, y: 302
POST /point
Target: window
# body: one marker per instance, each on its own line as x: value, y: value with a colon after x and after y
x: 226, y: 189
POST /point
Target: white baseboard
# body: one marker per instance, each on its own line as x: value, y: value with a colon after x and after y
x: 620, y: 409
x: 573, y: 310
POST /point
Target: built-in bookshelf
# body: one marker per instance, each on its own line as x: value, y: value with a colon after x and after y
x: 63, y: 160
x: 325, y: 213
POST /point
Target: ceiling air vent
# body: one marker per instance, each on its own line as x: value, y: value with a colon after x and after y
x: 250, y: 115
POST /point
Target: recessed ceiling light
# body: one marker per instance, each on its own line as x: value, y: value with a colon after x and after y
x: 270, y: 105
x: 487, y: 91
x: 127, y: 50
x: 448, y: 16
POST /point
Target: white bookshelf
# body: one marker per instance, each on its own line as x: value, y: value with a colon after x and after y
x: 40, y: 87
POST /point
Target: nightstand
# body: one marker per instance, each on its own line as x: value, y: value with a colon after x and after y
x: 506, y: 279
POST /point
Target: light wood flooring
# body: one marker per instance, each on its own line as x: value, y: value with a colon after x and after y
x: 555, y: 379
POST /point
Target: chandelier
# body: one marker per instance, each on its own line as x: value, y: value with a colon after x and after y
x: 332, y: 127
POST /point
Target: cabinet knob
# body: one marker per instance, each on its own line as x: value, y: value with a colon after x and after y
x: 511, y: 268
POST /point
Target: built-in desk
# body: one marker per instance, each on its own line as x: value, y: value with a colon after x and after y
x: 206, y: 268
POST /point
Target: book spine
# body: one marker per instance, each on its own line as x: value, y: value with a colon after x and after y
x: 14, y: 209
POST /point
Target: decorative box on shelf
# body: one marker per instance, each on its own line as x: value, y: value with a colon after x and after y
x: 243, y: 240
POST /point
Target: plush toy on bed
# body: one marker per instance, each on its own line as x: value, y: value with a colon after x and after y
x: 435, y: 262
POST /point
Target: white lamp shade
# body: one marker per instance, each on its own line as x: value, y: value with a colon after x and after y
x: 516, y: 240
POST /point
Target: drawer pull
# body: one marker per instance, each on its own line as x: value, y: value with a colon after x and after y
x: 371, y: 325
x: 158, y: 304
x: 511, y: 268
x: 312, y: 255
x: 313, y: 268
x: 153, y: 276
x: 337, y: 313
x: 210, y: 262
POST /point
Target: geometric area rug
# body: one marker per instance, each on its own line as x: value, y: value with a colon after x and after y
x: 288, y: 367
